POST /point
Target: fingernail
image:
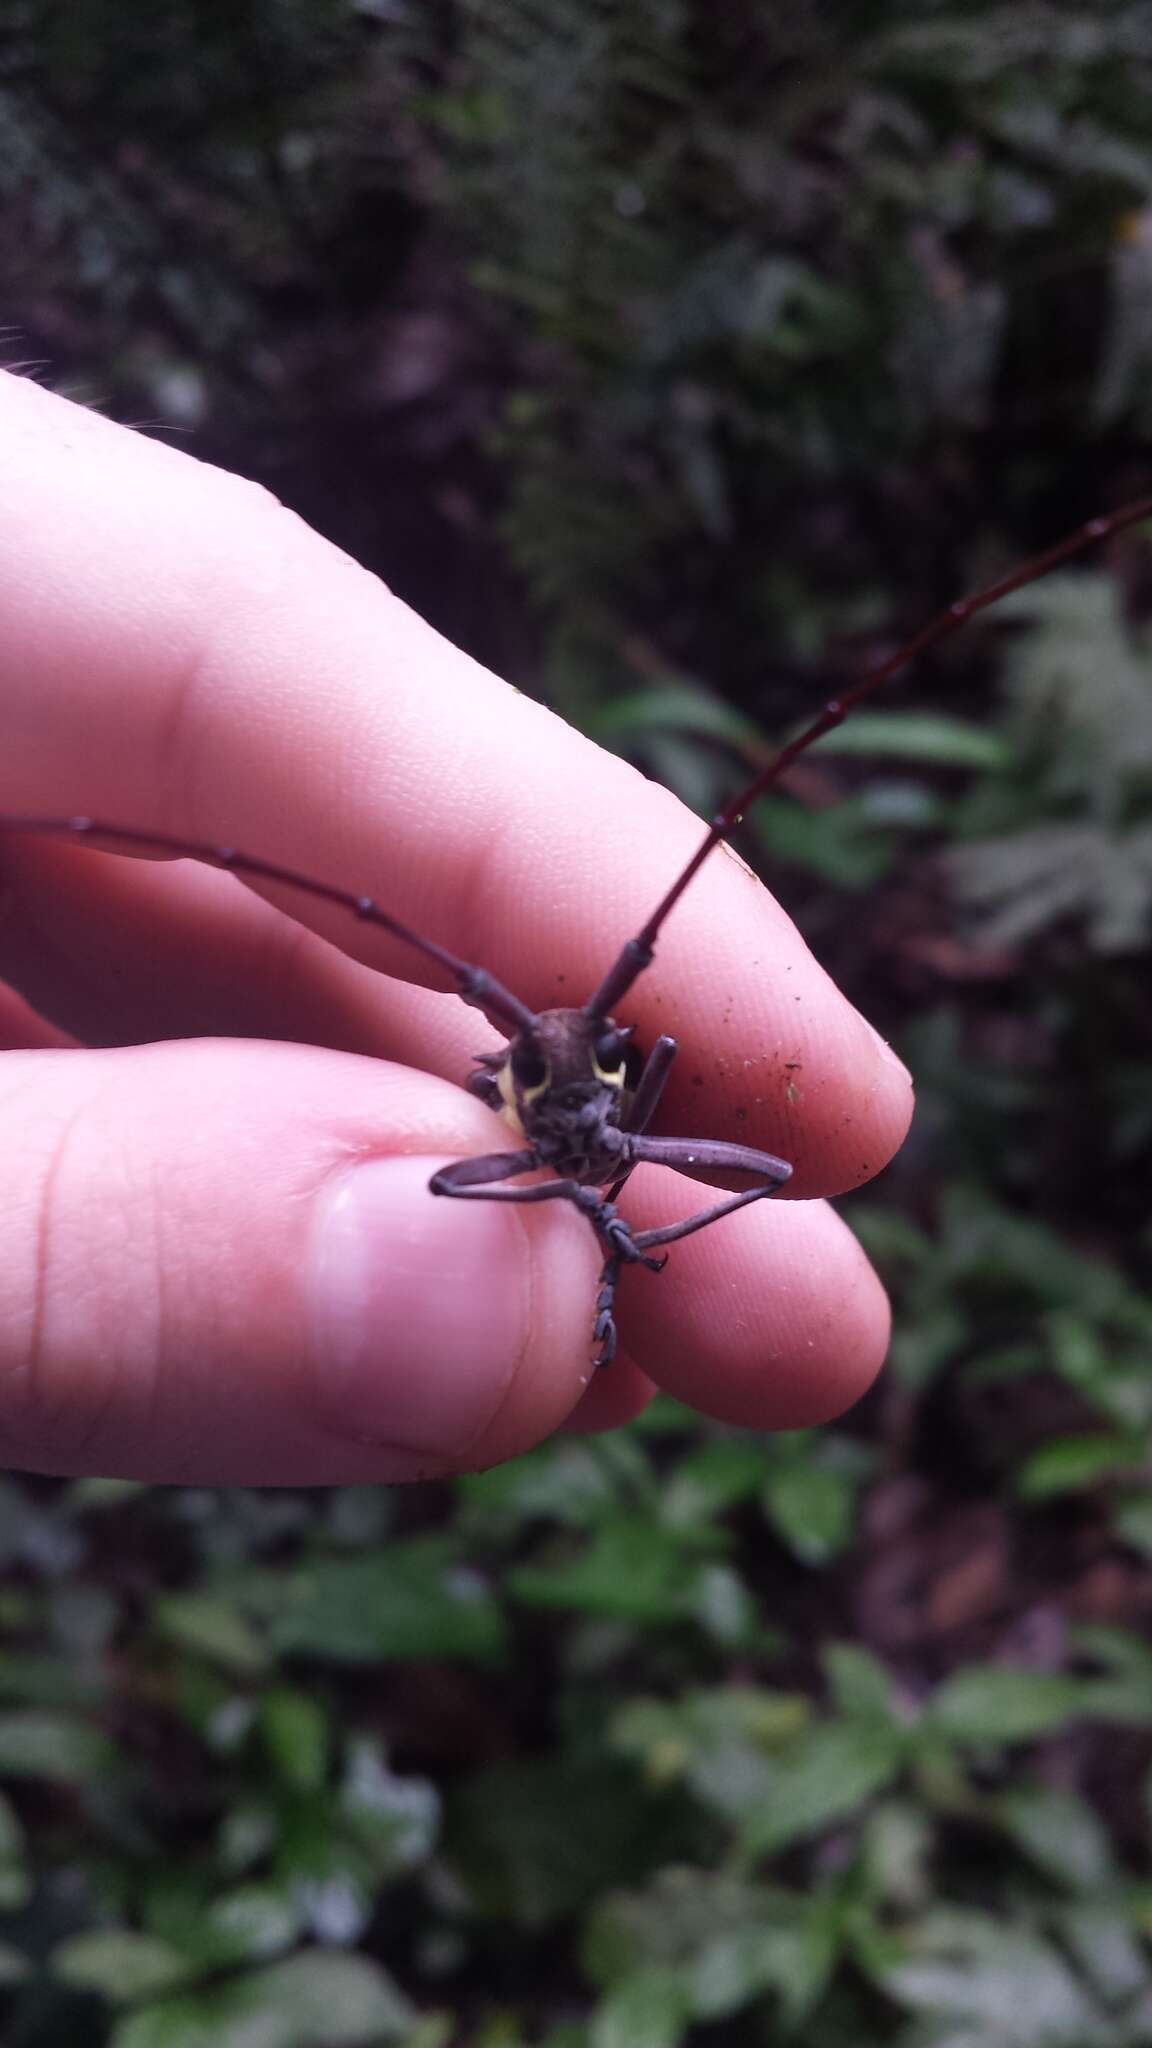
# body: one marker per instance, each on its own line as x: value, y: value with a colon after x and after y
x: 420, y: 1308
x: 890, y: 1058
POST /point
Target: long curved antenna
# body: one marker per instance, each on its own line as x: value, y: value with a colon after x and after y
x: 475, y: 984
x: 637, y: 953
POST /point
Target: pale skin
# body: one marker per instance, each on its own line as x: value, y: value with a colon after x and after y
x: 220, y: 1259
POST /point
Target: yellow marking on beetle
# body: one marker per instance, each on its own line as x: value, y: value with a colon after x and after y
x: 614, y: 1079
x: 509, y: 1110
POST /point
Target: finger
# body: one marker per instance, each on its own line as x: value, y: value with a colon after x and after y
x: 121, y: 952
x: 292, y: 1306
x: 286, y: 1304
x: 773, y: 1319
x: 218, y: 671
x: 22, y: 1029
x: 613, y: 1396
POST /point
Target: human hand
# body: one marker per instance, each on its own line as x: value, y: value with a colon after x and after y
x: 221, y: 1262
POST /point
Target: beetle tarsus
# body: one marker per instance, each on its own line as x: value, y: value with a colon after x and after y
x: 604, y: 1327
x: 618, y: 1236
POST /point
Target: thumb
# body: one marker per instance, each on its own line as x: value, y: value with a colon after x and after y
x: 221, y: 1264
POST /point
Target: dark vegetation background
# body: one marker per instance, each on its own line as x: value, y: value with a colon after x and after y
x: 673, y: 358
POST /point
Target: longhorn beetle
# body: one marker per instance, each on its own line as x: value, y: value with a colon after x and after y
x: 561, y: 1081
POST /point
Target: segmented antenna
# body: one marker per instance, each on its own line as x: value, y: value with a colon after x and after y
x: 474, y: 984
x: 638, y: 952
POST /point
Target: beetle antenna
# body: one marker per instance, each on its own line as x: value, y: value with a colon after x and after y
x: 637, y: 953
x: 474, y: 984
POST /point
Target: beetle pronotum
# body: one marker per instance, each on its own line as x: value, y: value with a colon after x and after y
x: 562, y: 1078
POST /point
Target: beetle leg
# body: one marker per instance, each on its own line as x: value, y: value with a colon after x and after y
x: 650, y: 1086
x: 472, y: 1179
x: 470, y: 1176
x: 649, y: 1089
x: 706, y: 1152
x: 486, y: 1088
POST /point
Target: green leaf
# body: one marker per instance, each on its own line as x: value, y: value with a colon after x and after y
x: 829, y: 1774
x: 45, y: 1680
x: 724, y: 1607
x: 998, y: 1703
x: 718, y: 1739
x: 999, y: 1985
x: 567, y: 1481
x: 649, y: 2010
x: 727, y: 1939
x: 663, y: 1924
x: 682, y: 705
x: 1061, y: 1834
x: 536, y: 1840
x: 861, y: 1684
x: 15, y: 1879
x: 213, y: 1628
x: 122, y: 1965
x: 47, y: 1745
x: 810, y: 1493
x: 318, y: 1999
x: 89, y: 1496
x: 841, y: 845
x: 787, y: 1949
x: 414, y: 1599
x: 633, y: 1568
x: 1083, y: 1348
x: 1123, y: 1691
x: 433, y: 2030
x: 896, y: 1856
x: 712, y: 1479
x: 298, y: 1736
x: 1103, y: 1933
x: 930, y: 736
x: 1132, y: 1520
x: 397, y: 1815
x: 247, y: 1925
x: 1067, y: 1463
x: 1005, y: 1704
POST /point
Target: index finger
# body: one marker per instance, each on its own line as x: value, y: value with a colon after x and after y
x: 183, y: 655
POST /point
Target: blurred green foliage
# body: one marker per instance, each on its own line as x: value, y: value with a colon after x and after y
x: 714, y: 347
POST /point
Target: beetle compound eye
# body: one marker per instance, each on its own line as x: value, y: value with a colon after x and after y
x: 529, y: 1067
x: 610, y: 1049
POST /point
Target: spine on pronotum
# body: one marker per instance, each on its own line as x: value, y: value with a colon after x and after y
x: 563, y: 1080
